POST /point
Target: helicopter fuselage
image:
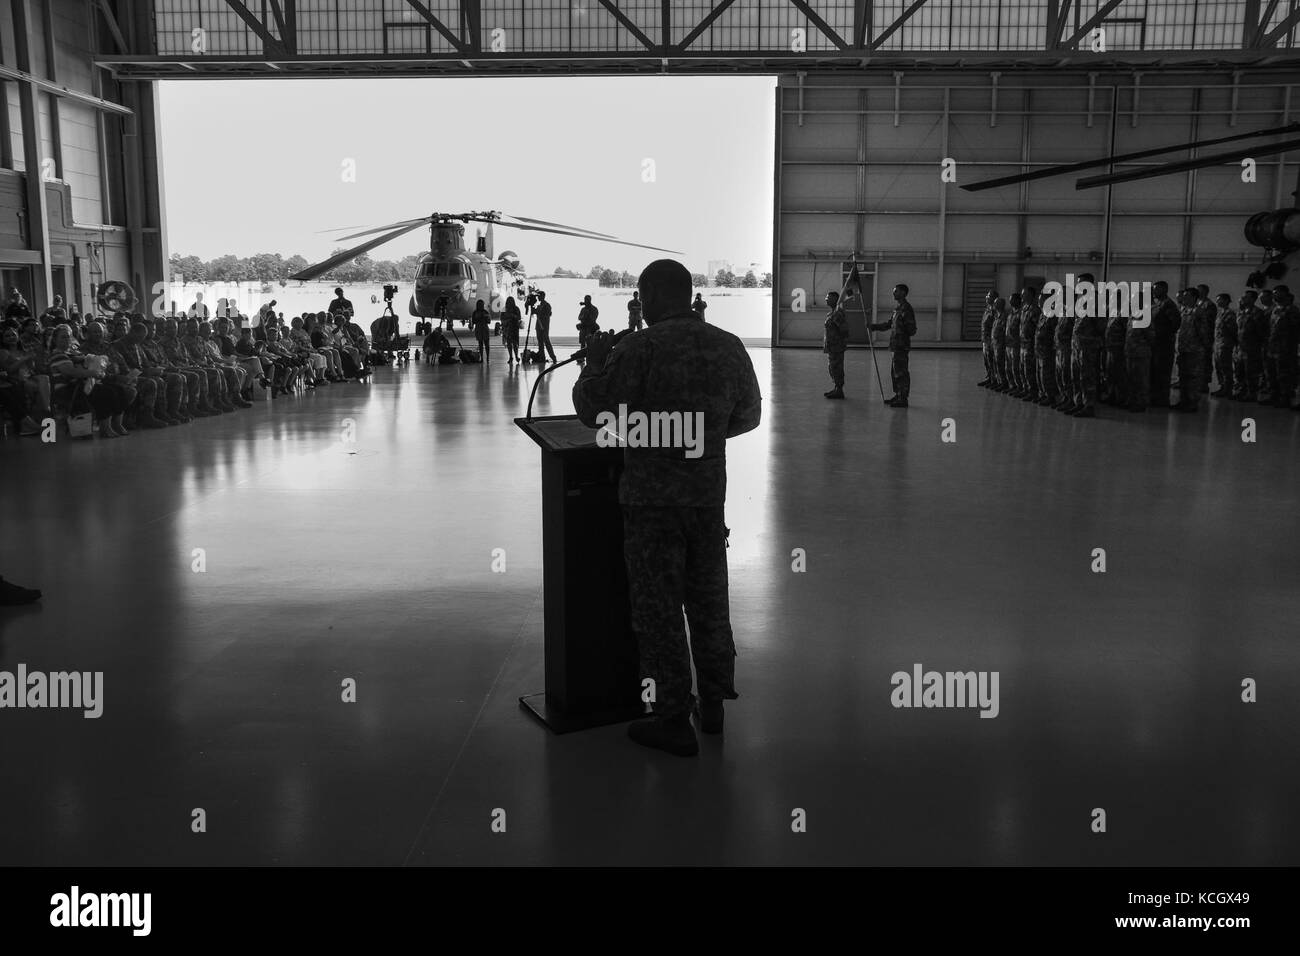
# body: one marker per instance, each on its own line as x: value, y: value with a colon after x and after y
x: 450, y: 280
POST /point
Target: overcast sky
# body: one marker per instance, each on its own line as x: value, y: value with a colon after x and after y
x: 258, y: 166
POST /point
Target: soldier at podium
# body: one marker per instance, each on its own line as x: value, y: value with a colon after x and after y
x: 675, y: 535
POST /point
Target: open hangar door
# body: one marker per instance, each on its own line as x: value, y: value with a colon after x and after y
x: 858, y: 177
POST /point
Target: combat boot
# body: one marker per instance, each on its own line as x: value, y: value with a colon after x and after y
x: 710, y: 715
x: 983, y: 384
x: 835, y: 393
x: 1086, y: 412
x: 672, y: 734
x: 145, y: 419
x: 897, y: 403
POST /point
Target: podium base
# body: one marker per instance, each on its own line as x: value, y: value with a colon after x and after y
x: 560, y: 722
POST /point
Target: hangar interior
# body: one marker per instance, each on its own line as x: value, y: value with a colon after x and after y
x: 859, y: 176
x: 1121, y: 689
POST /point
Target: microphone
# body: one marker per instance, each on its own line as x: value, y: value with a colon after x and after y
x: 580, y: 354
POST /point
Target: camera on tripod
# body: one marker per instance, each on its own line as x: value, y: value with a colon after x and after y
x: 389, y: 292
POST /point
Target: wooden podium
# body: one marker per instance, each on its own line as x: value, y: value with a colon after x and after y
x: 592, y: 665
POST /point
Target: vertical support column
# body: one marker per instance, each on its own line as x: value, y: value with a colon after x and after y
x: 51, y: 73
x: 778, y: 271
x: 1281, y: 159
x: 142, y: 175
x: 133, y: 186
x: 1249, y: 24
x: 38, y: 219
x: 1022, y: 220
x: 1110, y: 168
x: 1189, y: 197
x: 6, y: 135
x: 860, y: 183
x: 943, y: 223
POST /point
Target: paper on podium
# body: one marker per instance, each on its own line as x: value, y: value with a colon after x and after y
x: 561, y: 433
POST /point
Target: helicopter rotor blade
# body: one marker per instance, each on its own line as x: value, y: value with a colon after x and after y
x: 391, y: 225
x: 1270, y: 149
x: 320, y: 268
x: 581, y: 235
x: 500, y: 219
x: 1062, y: 170
x: 557, y: 225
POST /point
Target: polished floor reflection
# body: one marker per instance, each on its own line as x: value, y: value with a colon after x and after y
x: 327, y: 559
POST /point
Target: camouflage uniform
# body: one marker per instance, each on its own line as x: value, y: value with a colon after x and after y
x: 1045, y: 350
x: 153, y: 390
x: 986, y: 344
x: 1030, y: 315
x: 901, y: 326
x: 998, y: 336
x: 834, y: 341
x: 1225, y: 343
x: 1137, y: 365
x: 1014, y: 371
x: 1115, y: 391
x: 1190, y: 357
x: 1280, y: 354
x: 673, y: 506
x: 1165, y: 320
x: 209, y: 379
x: 1248, y: 357
x: 1206, y: 313
x: 1064, y: 380
x: 189, y: 384
x: 1085, y: 348
x: 200, y: 355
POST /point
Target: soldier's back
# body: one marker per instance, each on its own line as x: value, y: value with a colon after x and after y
x: 685, y: 365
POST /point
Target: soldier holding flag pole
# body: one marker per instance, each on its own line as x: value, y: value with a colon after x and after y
x: 837, y: 333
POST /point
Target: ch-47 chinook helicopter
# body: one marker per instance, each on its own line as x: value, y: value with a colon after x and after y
x: 450, y: 279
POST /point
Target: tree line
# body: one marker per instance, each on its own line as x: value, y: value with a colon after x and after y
x: 272, y: 267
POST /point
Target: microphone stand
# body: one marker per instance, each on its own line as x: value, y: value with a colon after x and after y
x: 542, y: 374
x: 580, y: 354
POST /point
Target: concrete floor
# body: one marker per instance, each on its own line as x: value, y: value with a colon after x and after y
x: 372, y: 560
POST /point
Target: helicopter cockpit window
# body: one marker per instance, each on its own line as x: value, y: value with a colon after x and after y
x: 454, y: 269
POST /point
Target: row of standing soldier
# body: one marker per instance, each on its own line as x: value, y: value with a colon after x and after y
x: 1071, y: 363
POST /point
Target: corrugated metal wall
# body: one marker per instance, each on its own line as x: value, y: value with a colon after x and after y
x: 859, y: 163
